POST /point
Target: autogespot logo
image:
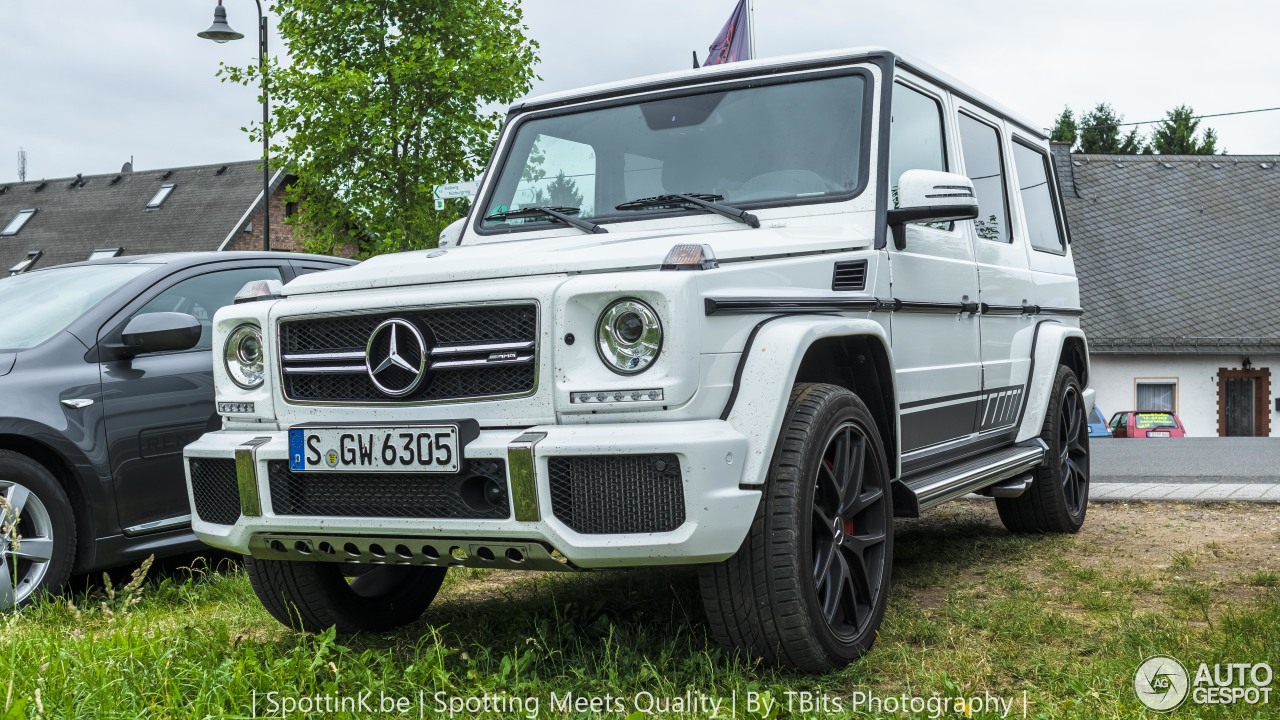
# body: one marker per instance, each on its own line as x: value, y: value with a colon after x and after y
x: 1161, y: 683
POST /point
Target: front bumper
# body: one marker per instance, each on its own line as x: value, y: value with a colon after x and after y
x: 711, y: 453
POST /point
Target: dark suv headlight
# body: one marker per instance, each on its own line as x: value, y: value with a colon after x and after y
x: 629, y: 336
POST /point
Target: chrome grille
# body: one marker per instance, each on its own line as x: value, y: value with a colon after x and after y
x: 475, y: 352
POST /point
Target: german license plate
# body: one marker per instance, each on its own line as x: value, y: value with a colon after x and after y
x: 1158, y: 433
x: 425, y: 449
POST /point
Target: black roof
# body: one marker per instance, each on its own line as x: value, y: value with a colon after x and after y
x: 1176, y: 253
x: 75, y: 216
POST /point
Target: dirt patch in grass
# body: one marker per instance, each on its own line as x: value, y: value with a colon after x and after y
x: 1194, y: 561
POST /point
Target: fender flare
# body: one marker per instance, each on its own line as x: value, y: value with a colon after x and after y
x: 1046, y: 350
x: 771, y: 360
x: 96, y: 508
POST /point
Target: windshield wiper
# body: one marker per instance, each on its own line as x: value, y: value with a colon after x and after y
x: 704, y: 201
x: 561, y: 214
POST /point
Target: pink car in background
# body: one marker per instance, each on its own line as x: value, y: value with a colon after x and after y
x: 1146, y: 424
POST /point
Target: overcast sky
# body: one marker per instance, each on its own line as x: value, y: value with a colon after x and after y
x: 86, y: 85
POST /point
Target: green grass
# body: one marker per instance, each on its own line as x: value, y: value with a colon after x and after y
x: 973, y: 609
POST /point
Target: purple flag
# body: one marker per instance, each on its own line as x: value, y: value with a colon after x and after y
x: 734, y: 41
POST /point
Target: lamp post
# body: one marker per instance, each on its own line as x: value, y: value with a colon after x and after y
x: 221, y: 32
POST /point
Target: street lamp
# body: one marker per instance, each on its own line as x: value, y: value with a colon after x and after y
x: 221, y: 32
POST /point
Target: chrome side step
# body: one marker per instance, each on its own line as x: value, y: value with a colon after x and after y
x: 949, y: 482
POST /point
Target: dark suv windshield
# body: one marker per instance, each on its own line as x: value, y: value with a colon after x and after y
x: 52, y: 299
x: 789, y: 143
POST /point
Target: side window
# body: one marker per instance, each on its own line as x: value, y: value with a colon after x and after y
x: 915, y: 138
x: 558, y: 173
x: 1037, y: 198
x: 201, y: 296
x: 984, y: 164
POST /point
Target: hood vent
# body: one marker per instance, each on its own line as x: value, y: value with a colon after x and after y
x: 850, y: 275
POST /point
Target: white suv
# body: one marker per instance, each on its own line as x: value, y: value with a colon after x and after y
x: 740, y: 317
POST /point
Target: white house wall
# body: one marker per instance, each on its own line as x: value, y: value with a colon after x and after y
x: 1115, y: 378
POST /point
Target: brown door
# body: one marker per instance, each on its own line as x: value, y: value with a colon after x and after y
x: 1239, y: 407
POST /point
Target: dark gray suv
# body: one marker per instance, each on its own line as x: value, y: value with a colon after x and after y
x: 105, y: 374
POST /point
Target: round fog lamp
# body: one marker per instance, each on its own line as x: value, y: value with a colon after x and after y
x: 244, y: 357
x: 629, y: 336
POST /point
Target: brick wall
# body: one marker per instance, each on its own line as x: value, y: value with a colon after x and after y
x: 281, y: 234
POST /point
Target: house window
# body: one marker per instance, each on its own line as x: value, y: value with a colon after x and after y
x: 1158, y: 395
x: 161, y: 195
x: 26, y: 263
x: 103, y: 253
x: 17, y: 223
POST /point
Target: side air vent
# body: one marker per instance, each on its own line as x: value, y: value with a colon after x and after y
x: 850, y: 275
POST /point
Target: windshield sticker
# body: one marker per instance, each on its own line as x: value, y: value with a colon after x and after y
x: 1146, y: 421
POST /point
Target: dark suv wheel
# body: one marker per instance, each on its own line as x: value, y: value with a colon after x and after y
x: 37, y: 531
x: 807, y: 589
x: 1059, y: 495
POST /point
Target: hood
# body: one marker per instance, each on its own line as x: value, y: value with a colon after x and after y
x: 572, y: 254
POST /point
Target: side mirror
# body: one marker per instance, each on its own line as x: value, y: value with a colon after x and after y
x: 931, y: 196
x: 159, y: 332
x: 452, y: 233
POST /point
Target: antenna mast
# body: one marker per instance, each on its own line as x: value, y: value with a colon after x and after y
x: 22, y: 165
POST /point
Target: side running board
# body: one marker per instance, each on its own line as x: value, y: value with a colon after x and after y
x: 921, y: 492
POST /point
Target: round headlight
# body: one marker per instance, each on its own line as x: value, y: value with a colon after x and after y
x: 629, y: 336
x: 243, y: 355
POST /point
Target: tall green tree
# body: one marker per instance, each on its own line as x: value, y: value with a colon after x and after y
x: 1065, y: 128
x: 1100, y: 133
x: 1177, y: 134
x: 380, y: 101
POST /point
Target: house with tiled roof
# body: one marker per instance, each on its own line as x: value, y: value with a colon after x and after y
x: 138, y: 212
x: 1178, y: 259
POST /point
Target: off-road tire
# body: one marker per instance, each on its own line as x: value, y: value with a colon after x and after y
x: 765, y: 602
x: 316, y: 596
x: 1058, y: 498
x: 36, y: 478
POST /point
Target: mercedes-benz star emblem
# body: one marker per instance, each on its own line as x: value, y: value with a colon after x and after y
x: 396, y: 357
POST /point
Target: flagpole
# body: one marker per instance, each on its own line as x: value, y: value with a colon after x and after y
x: 751, y: 28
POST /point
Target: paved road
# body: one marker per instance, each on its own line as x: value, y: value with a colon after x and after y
x: 1186, y: 470
x: 1186, y: 460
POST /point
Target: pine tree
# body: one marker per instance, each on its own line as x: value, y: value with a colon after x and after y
x: 1176, y: 134
x: 1065, y: 128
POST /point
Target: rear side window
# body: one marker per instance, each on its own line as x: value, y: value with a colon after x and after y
x: 1037, y: 198
x: 984, y: 164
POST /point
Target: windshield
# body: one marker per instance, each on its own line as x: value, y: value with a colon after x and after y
x: 1155, y: 420
x: 789, y: 143
x: 36, y: 306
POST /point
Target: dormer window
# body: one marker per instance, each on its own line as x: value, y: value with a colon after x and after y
x: 26, y: 263
x: 163, y: 194
x: 104, y: 253
x: 17, y: 223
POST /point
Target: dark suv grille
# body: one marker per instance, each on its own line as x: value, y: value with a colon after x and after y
x: 478, y: 492
x: 216, y: 490
x: 627, y: 494
x: 476, y: 352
